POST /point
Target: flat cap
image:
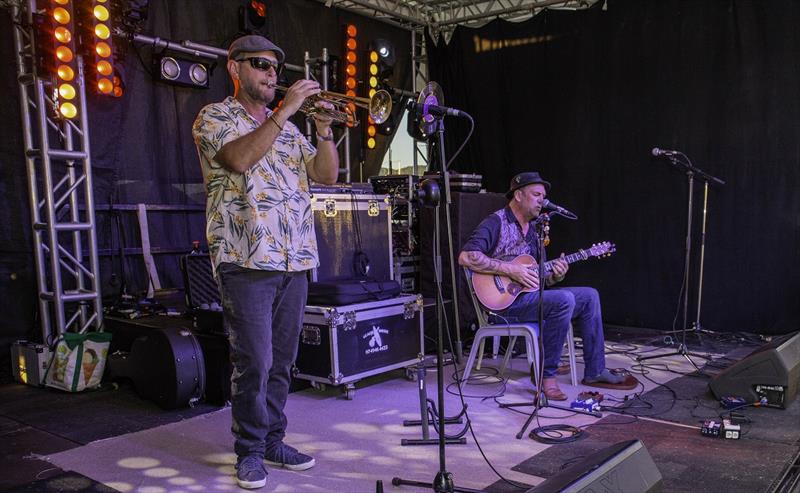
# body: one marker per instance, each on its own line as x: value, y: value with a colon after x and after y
x: 253, y: 43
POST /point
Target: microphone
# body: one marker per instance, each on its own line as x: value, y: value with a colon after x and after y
x: 425, y: 109
x: 558, y: 209
x: 664, y: 152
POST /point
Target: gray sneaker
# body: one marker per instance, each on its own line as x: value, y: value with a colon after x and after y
x: 250, y: 472
x: 288, y: 457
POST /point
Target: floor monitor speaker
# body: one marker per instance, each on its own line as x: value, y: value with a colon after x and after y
x: 625, y: 467
x: 771, y: 372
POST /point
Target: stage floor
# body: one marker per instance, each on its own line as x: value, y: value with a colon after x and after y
x: 111, y: 439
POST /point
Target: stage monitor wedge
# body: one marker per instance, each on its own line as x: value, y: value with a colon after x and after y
x: 771, y: 372
x: 625, y: 467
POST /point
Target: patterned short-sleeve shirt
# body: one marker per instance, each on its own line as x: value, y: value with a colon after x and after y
x: 259, y: 219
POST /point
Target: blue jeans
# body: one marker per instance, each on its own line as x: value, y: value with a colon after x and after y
x: 581, y: 306
x: 263, y: 313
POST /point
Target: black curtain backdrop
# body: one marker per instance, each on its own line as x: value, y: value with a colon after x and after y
x: 142, y: 148
x: 583, y: 97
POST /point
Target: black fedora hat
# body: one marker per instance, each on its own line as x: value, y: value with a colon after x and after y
x: 524, y: 179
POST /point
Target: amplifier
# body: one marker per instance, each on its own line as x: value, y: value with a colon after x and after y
x: 29, y: 362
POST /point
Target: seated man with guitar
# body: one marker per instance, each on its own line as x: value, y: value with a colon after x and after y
x: 509, y: 289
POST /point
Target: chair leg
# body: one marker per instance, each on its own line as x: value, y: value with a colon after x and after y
x: 477, y: 348
x: 480, y: 353
x: 495, y: 347
x: 571, y: 353
x: 511, y: 342
x: 532, y: 349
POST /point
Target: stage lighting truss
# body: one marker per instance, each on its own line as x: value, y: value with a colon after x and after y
x: 183, y: 72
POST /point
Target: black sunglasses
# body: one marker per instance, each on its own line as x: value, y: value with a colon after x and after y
x: 263, y: 64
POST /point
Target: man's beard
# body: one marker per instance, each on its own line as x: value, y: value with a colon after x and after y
x: 258, y: 92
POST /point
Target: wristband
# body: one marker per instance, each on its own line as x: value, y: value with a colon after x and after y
x: 326, y: 138
x: 273, y: 120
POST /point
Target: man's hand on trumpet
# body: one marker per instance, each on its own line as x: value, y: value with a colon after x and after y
x: 297, y: 93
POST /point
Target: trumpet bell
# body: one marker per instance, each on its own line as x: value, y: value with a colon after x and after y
x: 380, y: 106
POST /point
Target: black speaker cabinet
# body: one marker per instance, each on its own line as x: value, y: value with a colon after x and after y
x: 467, y: 210
x: 625, y: 467
x: 771, y: 372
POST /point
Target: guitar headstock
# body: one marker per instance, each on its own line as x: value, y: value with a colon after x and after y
x: 603, y: 249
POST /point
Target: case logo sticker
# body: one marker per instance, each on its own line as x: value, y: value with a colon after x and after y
x: 375, y: 343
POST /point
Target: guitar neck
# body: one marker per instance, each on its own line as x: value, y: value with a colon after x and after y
x: 571, y: 258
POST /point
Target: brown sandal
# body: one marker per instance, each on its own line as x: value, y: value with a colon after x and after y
x: 551, y: 390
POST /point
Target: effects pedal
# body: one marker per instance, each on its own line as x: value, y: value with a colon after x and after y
x: 732, y: 402
x: 711, y: 428
x: 588, y: 401
x: 725, y: 429
x: 730, y: 430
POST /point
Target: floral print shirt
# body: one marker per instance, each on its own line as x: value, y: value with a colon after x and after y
x: 259, y: 219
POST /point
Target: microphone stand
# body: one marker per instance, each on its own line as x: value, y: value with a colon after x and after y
x: 682, y: 349
x: 540, y: 399
x: 443, y: 481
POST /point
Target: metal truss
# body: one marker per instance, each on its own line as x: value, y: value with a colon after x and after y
x: 59, y: 192
x: 442, y: 16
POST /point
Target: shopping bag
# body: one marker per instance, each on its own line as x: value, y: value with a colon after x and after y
x: 78, y: 361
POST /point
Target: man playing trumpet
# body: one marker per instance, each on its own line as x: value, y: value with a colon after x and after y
x: 256, y: 165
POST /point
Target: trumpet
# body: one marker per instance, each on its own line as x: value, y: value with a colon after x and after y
x: 379, y: 106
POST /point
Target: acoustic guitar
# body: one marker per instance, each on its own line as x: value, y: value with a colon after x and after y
x: 497, y: 292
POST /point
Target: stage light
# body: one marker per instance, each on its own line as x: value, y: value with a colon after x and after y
x: 64, y: 54
x: 104, y: 68
x: 198, y: 73
x: 66, y: 91
x: 351, y: 70
x: 63, y: 35
x: 100, y: 13
x: 98, y: 44
x: 102, y: 49
x: 65, y: 72
x: 61, y: 15
x: 102, y: 31
x: 68, y: 110
x: 105, y: 86
x: 252, y: 17
x: 182, y: 72
x: 170, y: 69
x: 56, y: 45
x: 382, y: 56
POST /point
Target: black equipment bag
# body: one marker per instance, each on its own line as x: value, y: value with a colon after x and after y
x: 202, y: 294
x: 166, y: 366
x: 347, y: 292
